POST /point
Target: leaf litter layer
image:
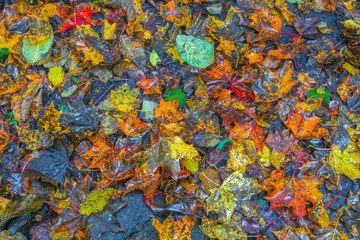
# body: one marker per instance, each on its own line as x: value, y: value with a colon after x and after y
x: 240, y: 117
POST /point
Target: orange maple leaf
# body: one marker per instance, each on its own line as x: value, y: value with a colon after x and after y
x: 248, y: 131
x: 132, y: 126
x: 305, y: 128
x: 4, y: 134
x: 292, y: 192
x: 168, y: 111
x: 151, y: 86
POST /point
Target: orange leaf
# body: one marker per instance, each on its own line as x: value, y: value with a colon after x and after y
x: 132, y: 126
x: 305, y: 128
x: 151, y: 86
x: 147, y: 183
x: 4, y: 134
x: 292, y: 192
x: 171, y: 229
x: 247, y: 131
x: 268, y: 25
x: 168, y: 111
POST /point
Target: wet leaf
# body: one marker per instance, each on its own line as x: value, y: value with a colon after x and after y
x: 81, y: 118
x: 233, y: 194
x: 194, y: 51
x: 171, y: 229
x: 52, y: 162
x: 345, y: 162
x: 169, y: 152
x: 292, y: 192
x: 274, y: 85
x: 96, y: 201
x: 33, y: 53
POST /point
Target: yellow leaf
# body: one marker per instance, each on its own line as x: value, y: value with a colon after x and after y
x: 123, y: 100
x: 175, y: 54
x: 345, y: 162
x: 169, y: 152
x: 56, y: 76
x: 109, y: 30
x: 170, y: 229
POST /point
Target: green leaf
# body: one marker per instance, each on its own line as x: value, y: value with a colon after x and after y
x: 174, y: 93
x: 319, y: 92
x: 96, y: 201
x: 154, y: 58
x: 222, y: 143
x: 5, y: 50
x: 194, y: 51
x: 11, y: 118
x: 35, y: 52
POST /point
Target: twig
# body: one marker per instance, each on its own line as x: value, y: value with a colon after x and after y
x: 213, y: 164
x: 36, y: 155
x: 107, y: 90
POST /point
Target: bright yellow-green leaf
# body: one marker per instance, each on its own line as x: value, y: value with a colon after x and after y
x: 96, y: 201
x: 345, y: 162
x: 56, y: 76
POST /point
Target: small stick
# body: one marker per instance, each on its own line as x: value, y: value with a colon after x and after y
x: 112, y: 85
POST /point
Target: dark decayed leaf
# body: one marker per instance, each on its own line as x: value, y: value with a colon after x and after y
x: 23, y: 205
x: 341, y: 137
x: 52, y: 162
x: 81, y: 118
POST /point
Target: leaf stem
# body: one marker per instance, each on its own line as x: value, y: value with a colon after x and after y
x: 213, y: 164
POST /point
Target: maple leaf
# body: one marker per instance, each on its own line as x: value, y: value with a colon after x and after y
x: 273, y: 85
x: 213, y: 229
x: 170, y: 229
x: 248, y: 131
x: 345, y: 162
x: 169, y: 152
x: 80, y: 16
x: 168, y: 111
x: 133, y: 126
x: 292, y: 192
x: 151, y: 86
x: 305, y: 128
x: 302, y: 233
x: 268, y: 25
x: 147, y: 183
x: 80, y: 208
x: 112, y: 164
x: 244, y: 152
x: 233, y: 194
x: 4, y: 134
x: 168, y: 11
x: 123, y: 100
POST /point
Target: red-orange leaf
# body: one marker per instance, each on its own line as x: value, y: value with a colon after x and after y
x: 292, y: 192
x: 248, y: 131
x: 305, y: 128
